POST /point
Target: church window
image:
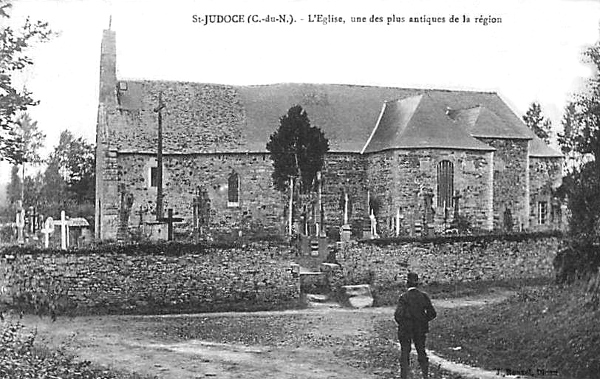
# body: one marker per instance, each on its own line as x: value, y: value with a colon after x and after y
x: 153, y: 176
x: 233, y: 190
x: 445, y: 183
x: 542, y: 212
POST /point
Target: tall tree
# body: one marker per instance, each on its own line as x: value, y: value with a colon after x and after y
x: 581, y: 138
x: 13, y: 44
x: 297, y: 150
x: 13, y: 189
x: 533, y: 118
x: 73, y: 161
x: 28, y: 142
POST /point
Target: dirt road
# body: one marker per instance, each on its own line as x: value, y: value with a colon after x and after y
x: 320, y: 342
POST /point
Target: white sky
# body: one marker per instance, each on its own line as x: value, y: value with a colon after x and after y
x: 533, y: 55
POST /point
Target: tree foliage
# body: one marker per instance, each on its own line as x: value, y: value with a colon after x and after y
x: 13, y: 45
x: 533, y: 118
x: 73, y: 160
x: 580, y: 139
x: 27, y: 141
x: 67, y: 183
x: 297, y: 150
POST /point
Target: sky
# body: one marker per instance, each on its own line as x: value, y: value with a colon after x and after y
x: 533, y: 52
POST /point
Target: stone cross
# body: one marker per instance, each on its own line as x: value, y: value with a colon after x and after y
x: 456, y: 203
x: 170, y: 220
x: 20, y: 222
x: 47, y: 230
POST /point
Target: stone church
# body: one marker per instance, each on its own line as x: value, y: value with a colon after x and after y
x: 415, y: 158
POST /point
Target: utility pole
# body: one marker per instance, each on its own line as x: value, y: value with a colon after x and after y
x: 159, y: 161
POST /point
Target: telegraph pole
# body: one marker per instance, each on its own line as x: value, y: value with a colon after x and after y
x: 159, y: 161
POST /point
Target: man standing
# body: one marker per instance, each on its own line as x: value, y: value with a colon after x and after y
x: 413, y: 313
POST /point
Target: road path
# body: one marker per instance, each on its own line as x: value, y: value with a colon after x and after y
x: 306, y: 346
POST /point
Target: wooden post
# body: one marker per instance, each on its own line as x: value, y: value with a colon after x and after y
x: 291, y: 206
x: 345, y: 207
x: 170, y: 224
x: 159, y: 161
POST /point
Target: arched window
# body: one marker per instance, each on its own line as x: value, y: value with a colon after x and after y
x: 445, y: 183
x: 233, y: 190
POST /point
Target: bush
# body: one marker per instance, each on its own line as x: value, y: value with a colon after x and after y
x: 578, y: 261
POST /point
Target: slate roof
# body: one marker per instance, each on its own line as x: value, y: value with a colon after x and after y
x: 419, y: 122
x: 539, y: 149
x: 481, y: 122
x: 206, y: 118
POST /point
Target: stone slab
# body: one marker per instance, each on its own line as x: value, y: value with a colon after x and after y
x: 359, y: 296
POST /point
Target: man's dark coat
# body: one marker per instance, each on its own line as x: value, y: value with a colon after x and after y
x: 413, y: 313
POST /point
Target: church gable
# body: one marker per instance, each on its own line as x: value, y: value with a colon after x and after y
x: 197, y: 117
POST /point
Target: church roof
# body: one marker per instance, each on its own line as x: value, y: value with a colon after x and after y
x: 539, y: 149
x: 204, y: 118
x: 481, y: 122
x: 419, y: 122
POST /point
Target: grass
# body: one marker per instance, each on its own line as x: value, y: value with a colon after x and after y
x: 544, y: 328
x: 388, y: 296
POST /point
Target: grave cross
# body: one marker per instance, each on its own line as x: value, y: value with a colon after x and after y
x: 64, y: 230
x: 170, y: 220
x: 47, y: 230
x: 20, y: 222
x: 456, y: 201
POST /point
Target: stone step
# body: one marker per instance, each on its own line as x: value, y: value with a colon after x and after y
x: 359, y: 296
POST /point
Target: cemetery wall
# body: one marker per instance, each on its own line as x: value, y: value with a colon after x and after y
x: 217, y: 279
x: 447, y: 262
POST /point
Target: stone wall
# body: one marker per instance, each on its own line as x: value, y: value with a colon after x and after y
x: 511, y: 181
x: 447, y: 262
x: 121, y: 283
x: 545, y: 176
x: 399, y: 179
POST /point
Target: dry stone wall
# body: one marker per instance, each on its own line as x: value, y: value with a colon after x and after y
x: 447, y: 262
x: 218, y: 279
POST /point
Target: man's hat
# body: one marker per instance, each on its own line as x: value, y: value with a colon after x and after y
x: 412, y: 278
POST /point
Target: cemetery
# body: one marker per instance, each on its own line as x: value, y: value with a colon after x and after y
x: 269, y: 229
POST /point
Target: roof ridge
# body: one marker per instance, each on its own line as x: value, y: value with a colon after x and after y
x: 425, y: 90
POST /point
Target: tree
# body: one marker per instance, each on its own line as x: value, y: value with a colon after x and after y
x: 13, y: 189
x: 535, y: 121
x: 73, y: 162
x: 581, y: 138
x: 297, y: 150
x: 13, y: 44
x: 28, y: 140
